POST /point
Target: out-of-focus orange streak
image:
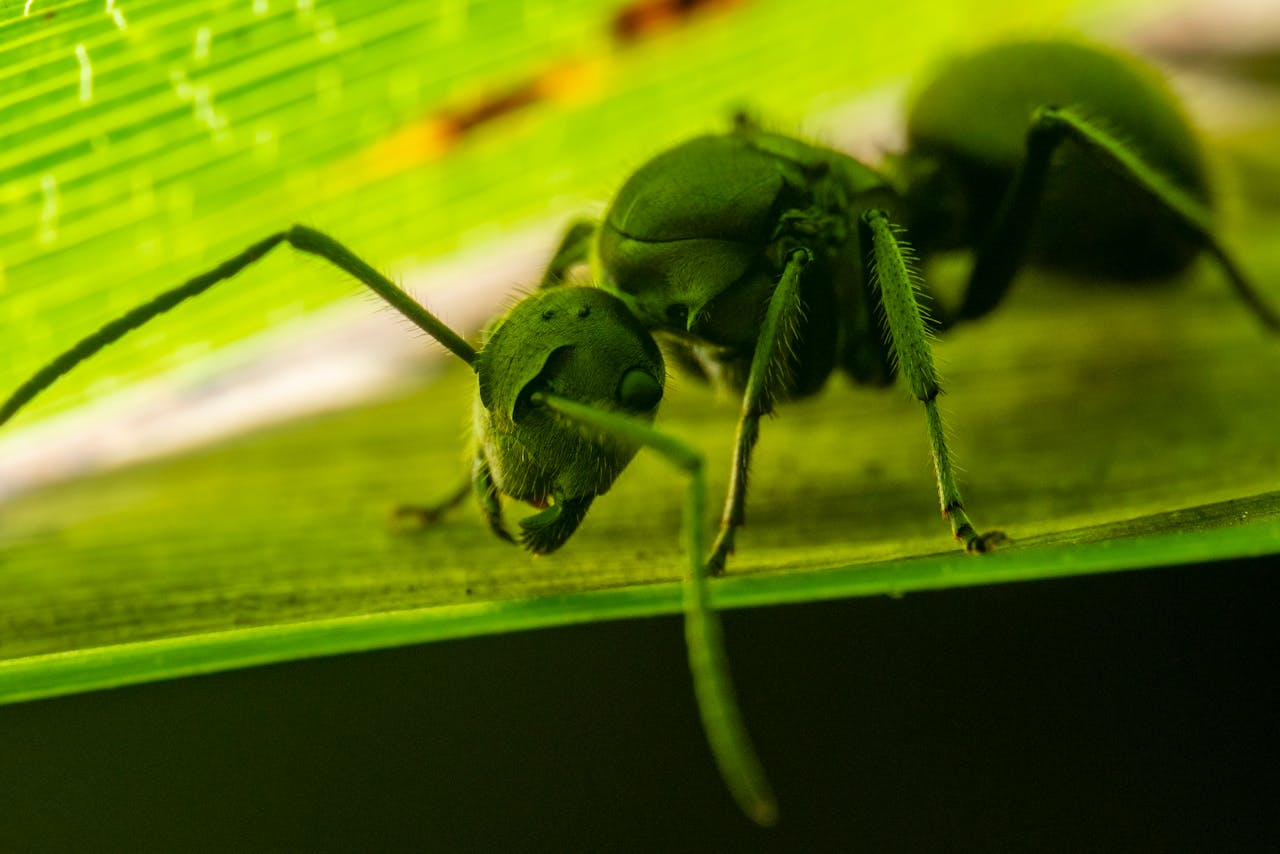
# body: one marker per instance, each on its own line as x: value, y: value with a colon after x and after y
x: 646, y: 18
x: 432, y: 136
x: 573, y: 79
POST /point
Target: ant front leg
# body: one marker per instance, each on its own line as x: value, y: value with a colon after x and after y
x: 487, y: 494
x: 425, y: 515
x: 768, y: 367
x: 574, y: 249
x: 893, y: 277
x: 1003, y: 250
x: 481, y: 484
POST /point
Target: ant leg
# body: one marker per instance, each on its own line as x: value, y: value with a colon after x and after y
x: 300, y: 237
x: 686, y: 359
x: 424, y: 515
x: 1002, y: 251
x: 481, y: 484
x: 575, y: 247
x: 769, y: 365
x: 543, y: 533
x: 721, y: 718
x: 891, y: 273
x: 1066, y: 123
x: 486, y: 492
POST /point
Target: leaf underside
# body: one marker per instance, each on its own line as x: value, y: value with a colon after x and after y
x: 1101, y: 428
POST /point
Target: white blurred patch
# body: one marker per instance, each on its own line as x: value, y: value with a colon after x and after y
x: 1232, y: 26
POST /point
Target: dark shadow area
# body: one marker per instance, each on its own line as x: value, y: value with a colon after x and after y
x: 1122, y: 712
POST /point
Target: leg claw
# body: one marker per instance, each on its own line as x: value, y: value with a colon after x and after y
x: 414, y: 516
x: 720, y: 552
x: 983, y: 543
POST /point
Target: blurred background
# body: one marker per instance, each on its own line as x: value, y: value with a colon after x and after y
x: 448, y: 142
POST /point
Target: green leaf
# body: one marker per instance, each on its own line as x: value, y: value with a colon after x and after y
x: 1087, y: 423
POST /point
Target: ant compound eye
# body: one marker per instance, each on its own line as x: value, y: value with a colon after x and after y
x: 639, y: 391
x: 678, y: 315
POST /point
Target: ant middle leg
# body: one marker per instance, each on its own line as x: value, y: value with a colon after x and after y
x: 774, y: 347
x: 893, y: 276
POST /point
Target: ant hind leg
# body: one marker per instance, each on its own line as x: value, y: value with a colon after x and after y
x: 1004, y: 248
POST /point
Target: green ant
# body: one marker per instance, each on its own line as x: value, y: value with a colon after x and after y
x: 767, y: 263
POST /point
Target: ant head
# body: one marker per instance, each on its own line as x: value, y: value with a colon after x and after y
x: 576, y: 343
x: 579, y: 343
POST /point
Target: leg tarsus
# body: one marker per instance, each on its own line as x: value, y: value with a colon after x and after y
x: 721, y: 549
x: 419, y: 516
x: 974, y: 543
x: 980, y: 544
